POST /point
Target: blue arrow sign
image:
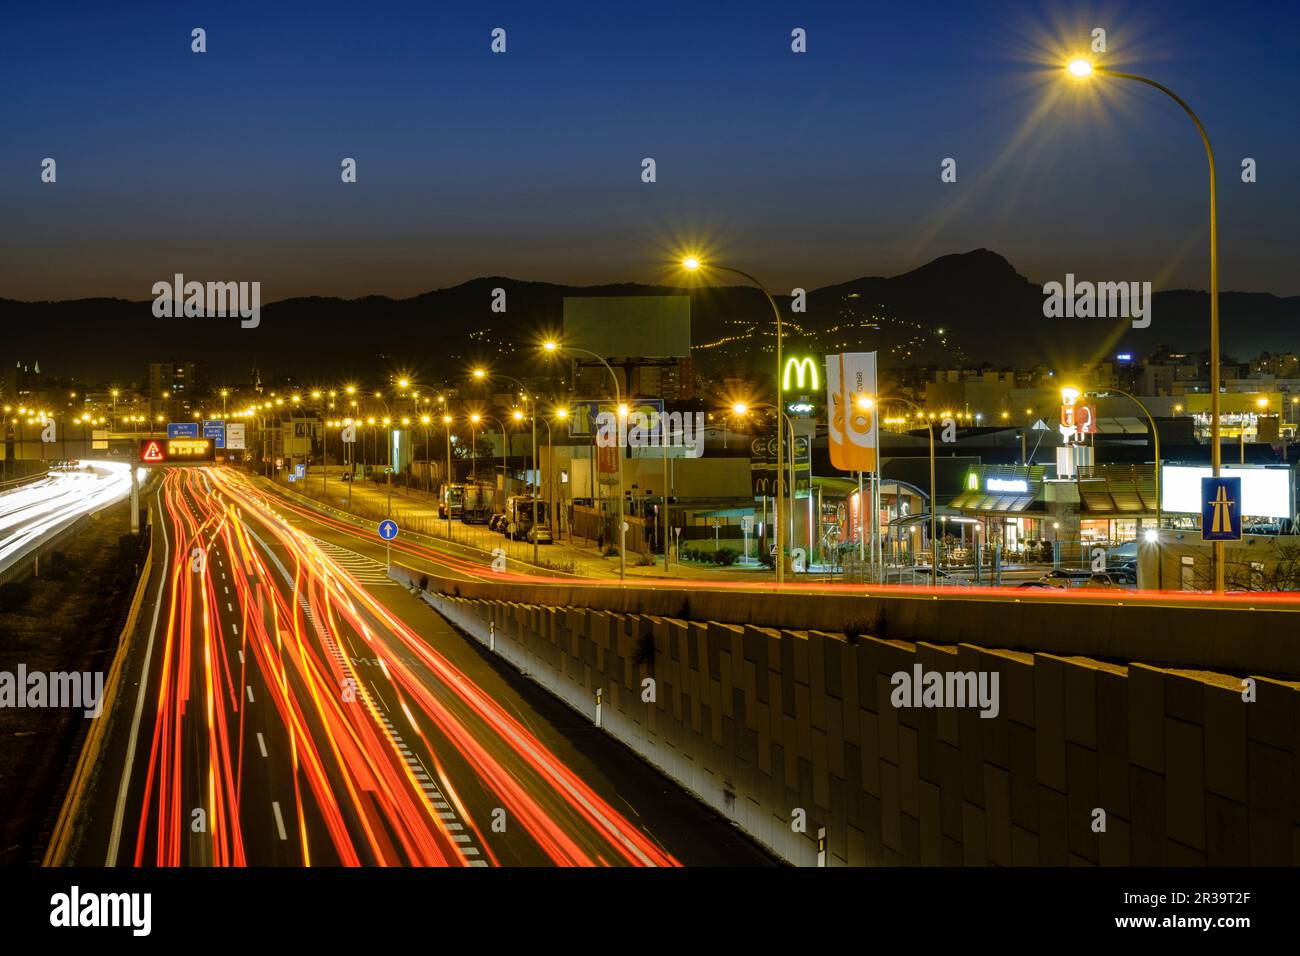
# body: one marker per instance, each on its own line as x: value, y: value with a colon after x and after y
x: 1221, y: 509
x: 388, y: 530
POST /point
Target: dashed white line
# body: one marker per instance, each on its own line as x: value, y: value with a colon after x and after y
x: 279, y: 820
x: 261, y: 743
x: 250, y: 693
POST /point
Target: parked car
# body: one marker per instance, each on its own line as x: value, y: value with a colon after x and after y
x: 1105, y: 580
x: 494, y: 523
x: 1065, y: 577
x: 1035, y: 585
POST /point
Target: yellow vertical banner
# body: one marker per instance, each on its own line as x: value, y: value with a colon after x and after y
x: 852, y: 428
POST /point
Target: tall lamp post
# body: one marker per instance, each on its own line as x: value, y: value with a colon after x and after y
x: 483, y: 375
x: 1083, y: 68
x: 563, y: 415
x: 555, y: 348
x: 446, y: 421
x: 692, y: 264
x: 1155, y: 435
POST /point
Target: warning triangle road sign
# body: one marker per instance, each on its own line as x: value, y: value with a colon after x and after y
x: 152, y: 451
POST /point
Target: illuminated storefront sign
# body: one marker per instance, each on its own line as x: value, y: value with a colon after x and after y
x: 802, y: 372
x: 1018, y: 486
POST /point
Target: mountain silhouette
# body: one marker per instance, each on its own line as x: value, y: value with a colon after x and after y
x: 958, y: 310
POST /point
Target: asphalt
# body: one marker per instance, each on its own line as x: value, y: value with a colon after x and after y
x: 316, y: 713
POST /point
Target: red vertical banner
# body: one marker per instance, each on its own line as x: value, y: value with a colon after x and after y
x: 607, y: 459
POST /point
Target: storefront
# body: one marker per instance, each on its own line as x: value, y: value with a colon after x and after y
x: 1002, y: 507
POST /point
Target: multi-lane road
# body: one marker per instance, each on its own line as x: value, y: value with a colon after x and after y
x: 284, y: 702
x: 34, y: 512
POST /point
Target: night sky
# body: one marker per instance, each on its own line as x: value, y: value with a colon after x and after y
x: 806, y: 169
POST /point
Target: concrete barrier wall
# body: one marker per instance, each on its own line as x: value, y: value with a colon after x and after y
x: 761, y: 723
x: 1240, y: 635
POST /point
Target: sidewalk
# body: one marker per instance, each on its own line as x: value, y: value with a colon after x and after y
x: 415, y: 510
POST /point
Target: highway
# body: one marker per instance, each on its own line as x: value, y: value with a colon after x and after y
x: 36, y: 511
x: 459, y: 561
x: 281, y: 708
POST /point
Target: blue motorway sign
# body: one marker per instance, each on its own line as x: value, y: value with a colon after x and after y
x: 388, y: 529
x: 1221, y: 509
x: 216, y: 430
x: 182, y: 429
x: 300, y: 471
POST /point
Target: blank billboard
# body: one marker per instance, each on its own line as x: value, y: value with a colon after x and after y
x: 1265, y: 492
x: 629, y: 326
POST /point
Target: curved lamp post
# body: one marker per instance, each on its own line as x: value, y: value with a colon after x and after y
x: 693, y: 264
x: 555, y: 348
x: 1083, y: 68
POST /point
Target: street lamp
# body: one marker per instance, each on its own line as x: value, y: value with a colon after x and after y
x: 482, y: 375
x: 693, y: 264
x: 556, y: 348
x: 1083, y: 68
x: 446, y: 421
x: 1155, y: 435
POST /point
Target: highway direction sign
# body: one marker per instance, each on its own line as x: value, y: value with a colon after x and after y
x: 216, y: 431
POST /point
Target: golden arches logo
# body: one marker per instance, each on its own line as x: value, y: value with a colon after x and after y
x: 804, y: 373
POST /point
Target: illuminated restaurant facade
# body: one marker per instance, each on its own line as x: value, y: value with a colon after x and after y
x: 1019, y: 508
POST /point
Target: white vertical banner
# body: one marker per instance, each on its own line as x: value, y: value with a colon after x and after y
x: 857, y: 376
x: 834, y: 409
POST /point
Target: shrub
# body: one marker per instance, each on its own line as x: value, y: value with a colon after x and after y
x: 726, y: 556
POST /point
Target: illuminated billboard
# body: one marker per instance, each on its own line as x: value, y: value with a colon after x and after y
x: 1265, y: 492
x: 176, y: 451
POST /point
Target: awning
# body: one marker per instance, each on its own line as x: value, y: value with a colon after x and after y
x: 994, y: 504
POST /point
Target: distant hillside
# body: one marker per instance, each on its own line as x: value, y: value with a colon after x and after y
x: 959, y: 309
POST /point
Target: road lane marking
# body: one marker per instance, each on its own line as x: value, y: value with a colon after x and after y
x: 250, y: 693
x: 279, y: 820
x: 261, y: 743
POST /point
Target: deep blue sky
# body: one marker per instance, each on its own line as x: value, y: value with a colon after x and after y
x: 807, y: 169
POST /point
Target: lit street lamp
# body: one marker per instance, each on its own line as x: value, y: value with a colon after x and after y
x: 556, y: 349
x: 1083, y: 68
x: 1155, y: 435
x: 693, y: 264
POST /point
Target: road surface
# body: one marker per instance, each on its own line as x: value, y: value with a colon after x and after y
x: 286, y: 703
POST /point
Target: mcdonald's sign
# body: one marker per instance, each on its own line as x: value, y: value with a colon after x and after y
x: 800, y: 374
